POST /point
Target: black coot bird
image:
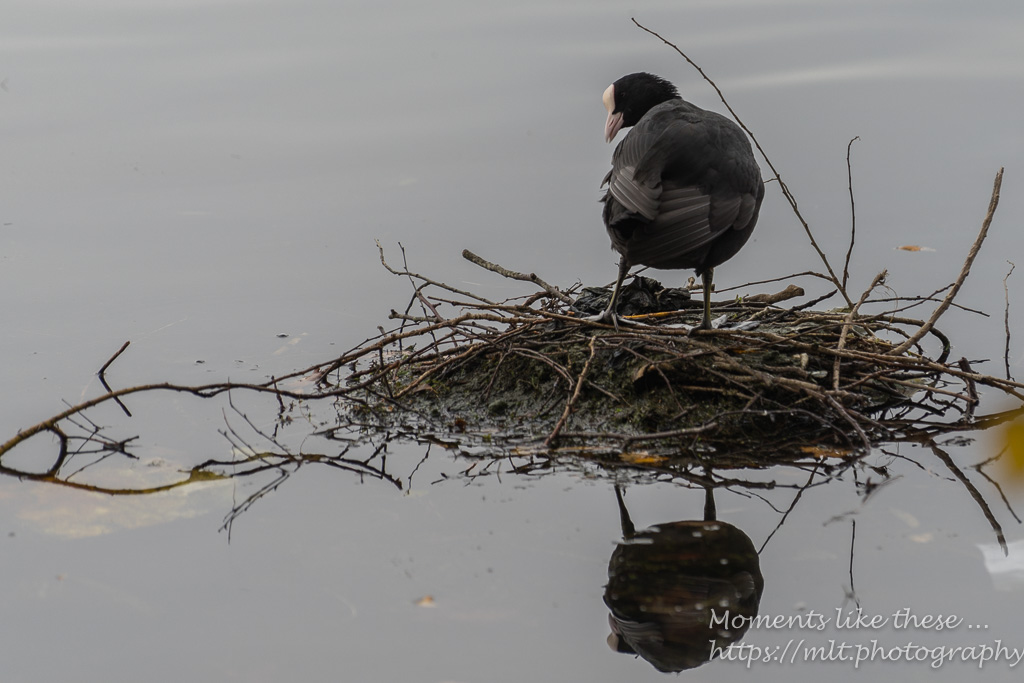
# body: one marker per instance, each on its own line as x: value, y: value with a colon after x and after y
x: 684, y: 190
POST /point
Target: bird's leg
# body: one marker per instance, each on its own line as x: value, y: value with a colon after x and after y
x: 609, y: 314
x: 613, y: 303
x: 706, y: 277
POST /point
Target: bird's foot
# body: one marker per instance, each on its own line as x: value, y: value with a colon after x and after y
x: 719, y: 324
x: 609, y: 318
x: 707, y: 324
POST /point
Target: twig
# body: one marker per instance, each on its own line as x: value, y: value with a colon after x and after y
x: 426, y: 279
x: 784, y: 278
x: 513, y: 275
x: 788, y: 293
x: 1006, y: 321
x: 572, y: 399
x: 849, y: 418
x: 853, y: 217
x: 785, y: 190
x: 918, y: 300
x: 879, y: 279
x: 992, y: 204
x: 113, y: 358
x: 813, y: 302
x: 972, y: 390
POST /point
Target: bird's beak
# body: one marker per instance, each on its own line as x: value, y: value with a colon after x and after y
x: 612, y: 126
x: 614, y: 122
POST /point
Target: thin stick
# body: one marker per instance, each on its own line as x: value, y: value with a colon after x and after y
x: 427, y: 280
x: 849, y: 418
x: 879, y: 279
x: 814, y: 302
x: 572, y: 400
x: 513, y: 275
x: 853, y: 214
x: 774, y: 279
x: 1006, y: 321
x: 785, y: 190
x: 113, y: 358
x: 790, y: 292
x: 923, y: 330
x: 972, y: 390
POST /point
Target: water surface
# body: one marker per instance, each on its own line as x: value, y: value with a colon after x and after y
x: 202, y: 177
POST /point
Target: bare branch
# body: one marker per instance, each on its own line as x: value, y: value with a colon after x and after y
x: 992, y: 204
x: 879, y: 279
x: 853, y: 215
x: 785, y: 189
x: 511, y: 274
x: 572, y: 399
x: 1006, y: 321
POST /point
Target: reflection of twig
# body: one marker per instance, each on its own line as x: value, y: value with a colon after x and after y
x: 971, y: 489
x: 980, y: 469
x: 416, y: 469
x: 992, y: 204
x: 792, y: 505
x: 853, y: 542
x: 853, y: 217
x: 103, y: 379
x: 251, y: 500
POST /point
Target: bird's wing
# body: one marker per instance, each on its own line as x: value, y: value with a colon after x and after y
x: 635, y: 197
x: 682, y: 227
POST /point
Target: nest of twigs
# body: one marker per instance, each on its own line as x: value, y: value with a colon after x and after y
x: 531, y: 375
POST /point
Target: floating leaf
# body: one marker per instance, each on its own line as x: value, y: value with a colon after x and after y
x: 825, y: 452
x: 1013, y: 459
x: 642, y: 458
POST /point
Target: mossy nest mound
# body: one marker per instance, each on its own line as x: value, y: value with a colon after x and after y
x: 533, y: 375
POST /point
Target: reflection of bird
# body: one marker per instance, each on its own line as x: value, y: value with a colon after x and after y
x: 680, y: 592
x: 684, y: 190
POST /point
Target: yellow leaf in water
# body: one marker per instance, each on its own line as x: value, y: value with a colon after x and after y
x: 642, y: 458
x: 426, y: 601
x: 825, y: 452
x: 1013, y: 460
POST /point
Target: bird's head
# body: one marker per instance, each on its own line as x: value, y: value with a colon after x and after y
x: 632, y: 96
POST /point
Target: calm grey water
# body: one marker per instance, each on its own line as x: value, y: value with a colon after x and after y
x: 202, y: 177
